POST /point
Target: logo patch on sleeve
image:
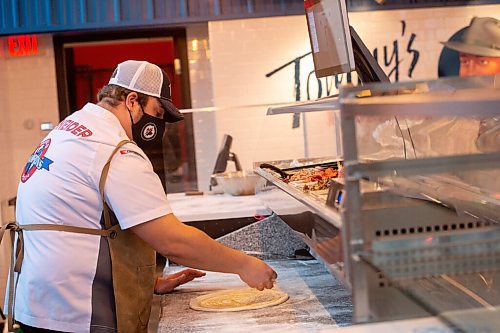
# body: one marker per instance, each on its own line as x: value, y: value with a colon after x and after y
x: 37, y: 161
x: 128, y: 151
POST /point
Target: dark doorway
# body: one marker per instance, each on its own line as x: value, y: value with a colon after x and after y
x: 84, y: 64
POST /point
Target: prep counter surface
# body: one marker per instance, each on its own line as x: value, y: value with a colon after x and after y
x: 215, y: 206
x: 317, y: 301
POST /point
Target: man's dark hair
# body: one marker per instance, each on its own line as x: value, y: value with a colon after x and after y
x: 112, y: 95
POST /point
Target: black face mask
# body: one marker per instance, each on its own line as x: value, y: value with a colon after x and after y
x: 148, y: 132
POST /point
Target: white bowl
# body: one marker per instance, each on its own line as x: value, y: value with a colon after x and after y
x: 239, y: 182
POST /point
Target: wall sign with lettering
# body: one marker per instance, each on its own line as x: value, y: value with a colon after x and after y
x: 22, y: 45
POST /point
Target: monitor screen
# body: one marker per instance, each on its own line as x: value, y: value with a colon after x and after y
x: 223, y: 157
x: 330, y: 37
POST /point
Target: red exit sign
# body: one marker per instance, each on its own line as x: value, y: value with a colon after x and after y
x: 22, y: 45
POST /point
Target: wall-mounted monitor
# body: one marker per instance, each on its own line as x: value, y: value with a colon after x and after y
x: 330, y: 37
x: 224, y: 155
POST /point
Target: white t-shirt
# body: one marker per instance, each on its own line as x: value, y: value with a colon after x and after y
x: 60, y: 185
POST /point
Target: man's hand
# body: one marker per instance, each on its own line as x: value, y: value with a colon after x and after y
x: 257, y: 274
x: 168, y: 283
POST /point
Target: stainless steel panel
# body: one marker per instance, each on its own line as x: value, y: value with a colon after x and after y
x: 420, y: 247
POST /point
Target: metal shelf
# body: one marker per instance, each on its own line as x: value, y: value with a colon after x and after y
x: 329, y: 103
x: 465, y: 97
x: 429, y: 165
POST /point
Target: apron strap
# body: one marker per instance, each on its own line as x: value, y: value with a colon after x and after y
x: 11, y: 226
x: 51, y: 227
x: 17, y: 256
x: 12, y: 284
x: 102, y: 181
x: 67, y: 228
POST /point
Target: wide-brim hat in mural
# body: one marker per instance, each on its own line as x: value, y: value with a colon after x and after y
x: 481, y: 38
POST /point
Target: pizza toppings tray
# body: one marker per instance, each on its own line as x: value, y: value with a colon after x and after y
x: 314, y: 179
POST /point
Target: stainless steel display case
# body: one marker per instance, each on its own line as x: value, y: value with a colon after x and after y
x: 455, y: 232
x: 412, y: 236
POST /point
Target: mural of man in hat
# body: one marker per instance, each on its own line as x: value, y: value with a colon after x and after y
x: 479, y: 47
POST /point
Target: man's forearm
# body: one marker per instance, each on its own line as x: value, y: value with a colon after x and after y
x: 197, y: 247
x: 189, y: 246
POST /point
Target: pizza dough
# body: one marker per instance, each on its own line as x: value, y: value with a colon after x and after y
x: 238, y: 300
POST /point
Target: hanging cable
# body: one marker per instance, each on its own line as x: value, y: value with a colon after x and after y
x: 411, y: 139
x: 401, y: 131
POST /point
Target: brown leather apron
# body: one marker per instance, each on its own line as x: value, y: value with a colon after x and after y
x: 133, y: 264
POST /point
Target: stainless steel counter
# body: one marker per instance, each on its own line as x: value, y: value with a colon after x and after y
x: 317, y: 301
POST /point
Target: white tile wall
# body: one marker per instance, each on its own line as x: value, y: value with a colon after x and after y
x: 5, y: 148
x: 28, y: 96
x: 431, y: 25
x: 200, y: 76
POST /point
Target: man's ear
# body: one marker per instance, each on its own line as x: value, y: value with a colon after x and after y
x: 131, y: 99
